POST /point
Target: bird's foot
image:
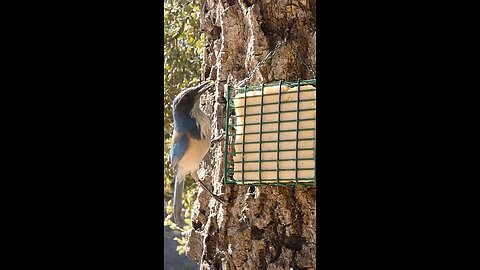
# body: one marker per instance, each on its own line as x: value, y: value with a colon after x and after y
x: 218, y: 198
x: 211, y: 193
x: 219, y: 137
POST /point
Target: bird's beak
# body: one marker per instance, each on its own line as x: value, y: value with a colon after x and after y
x: 205, y: 86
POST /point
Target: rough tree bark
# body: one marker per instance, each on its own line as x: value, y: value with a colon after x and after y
x: 260, y: 227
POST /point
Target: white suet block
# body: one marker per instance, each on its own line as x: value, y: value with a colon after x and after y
x: 267, y: 160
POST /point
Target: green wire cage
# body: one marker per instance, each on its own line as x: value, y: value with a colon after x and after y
x: 271, y: 134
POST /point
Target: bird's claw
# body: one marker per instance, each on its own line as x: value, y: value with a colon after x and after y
x: 210, y: 192
x: 219, y: 137
x: 218, y: 199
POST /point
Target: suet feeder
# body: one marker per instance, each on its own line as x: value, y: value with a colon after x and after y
x: 271, y: 134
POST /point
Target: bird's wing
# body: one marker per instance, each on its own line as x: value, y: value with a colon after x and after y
x: 179, y: 146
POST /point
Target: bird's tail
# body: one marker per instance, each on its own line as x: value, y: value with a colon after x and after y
x: 177, y: 197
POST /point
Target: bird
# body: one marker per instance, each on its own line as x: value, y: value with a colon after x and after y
x: 190, y: 141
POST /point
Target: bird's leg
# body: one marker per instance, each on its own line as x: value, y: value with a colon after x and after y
x: 195, y: 176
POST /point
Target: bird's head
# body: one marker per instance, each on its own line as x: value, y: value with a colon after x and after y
x: 185, y: 101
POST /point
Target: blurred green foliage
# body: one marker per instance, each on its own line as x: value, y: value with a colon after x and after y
x: 182, y: 48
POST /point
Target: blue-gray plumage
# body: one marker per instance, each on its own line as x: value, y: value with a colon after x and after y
x: 190, y: 142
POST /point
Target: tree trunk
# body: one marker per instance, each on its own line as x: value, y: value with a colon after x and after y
x: 259, y: 227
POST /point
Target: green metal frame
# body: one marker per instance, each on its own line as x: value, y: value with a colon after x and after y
x: 230, y: 134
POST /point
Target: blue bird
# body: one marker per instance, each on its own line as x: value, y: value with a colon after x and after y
x: 190, y: 141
